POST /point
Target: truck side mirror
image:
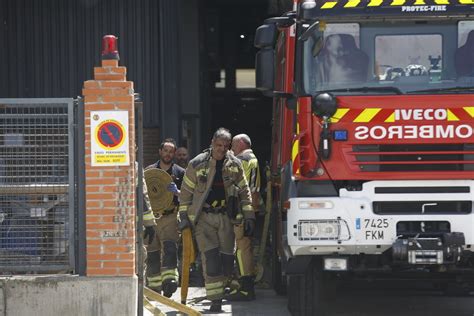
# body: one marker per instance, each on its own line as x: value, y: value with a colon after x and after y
x: 265, y: 36
x: 265, y: 39
x: 265, y: 70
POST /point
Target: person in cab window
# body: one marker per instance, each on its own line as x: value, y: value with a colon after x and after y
x: 341, y: 61
x: 464, y: 57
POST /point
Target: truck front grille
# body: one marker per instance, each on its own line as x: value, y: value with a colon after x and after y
x: 413, y: 157
x: 422, y: 207
x: 418, y: 190
x: 422, y: 228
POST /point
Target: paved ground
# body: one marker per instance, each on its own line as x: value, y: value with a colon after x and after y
x: 378, y: 302
x: 268, y: 303
x: 350, y: 302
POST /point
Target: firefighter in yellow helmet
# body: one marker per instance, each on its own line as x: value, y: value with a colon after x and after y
x: 214, y: 196
x: 241, y: 146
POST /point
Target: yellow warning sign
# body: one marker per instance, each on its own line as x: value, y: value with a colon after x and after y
x: 109, y: 138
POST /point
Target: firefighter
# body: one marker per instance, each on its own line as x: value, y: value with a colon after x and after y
x: 182, y: 157
x: 162, y: 251
x: 241, y: 146
x: 214, y: 195
x: 149, y: 220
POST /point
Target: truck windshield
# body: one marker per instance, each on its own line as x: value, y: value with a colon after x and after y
x: 409, y: 57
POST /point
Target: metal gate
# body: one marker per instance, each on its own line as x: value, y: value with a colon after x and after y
x: 37, y: 199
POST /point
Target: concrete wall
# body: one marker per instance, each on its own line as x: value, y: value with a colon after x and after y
x: 68, y: 295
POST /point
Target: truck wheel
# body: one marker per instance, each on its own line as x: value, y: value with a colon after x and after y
x: 279, y: 285
x: 456, y: 289
x: 278, y: 281
x: 310, y: 294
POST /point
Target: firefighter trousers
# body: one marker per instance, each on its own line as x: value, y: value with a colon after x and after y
x: 162, y: 253
x: 215, y: 238
x: 244, y: 252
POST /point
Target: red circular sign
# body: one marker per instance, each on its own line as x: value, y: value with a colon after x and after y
x: 110, y: 134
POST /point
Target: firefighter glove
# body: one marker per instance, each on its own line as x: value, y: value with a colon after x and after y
x: 172, y: 187
x: 184, y: 221
x: 149, y: 233
x: 249, y: 227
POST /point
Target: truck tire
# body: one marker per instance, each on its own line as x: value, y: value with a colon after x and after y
x: 456, y: 289
x: 310, y: 294
x: 279, y: 284
x: 278, y: 280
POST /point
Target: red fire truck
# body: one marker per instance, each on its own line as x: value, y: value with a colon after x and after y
x: 373, y: 144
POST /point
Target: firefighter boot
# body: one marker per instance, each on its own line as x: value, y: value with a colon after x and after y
x: 246, y: 292
x: 153, y: 274
x: 216, y: 306
x: 169, y: 287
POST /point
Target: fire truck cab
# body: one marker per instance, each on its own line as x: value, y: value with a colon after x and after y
x: 373, y: 143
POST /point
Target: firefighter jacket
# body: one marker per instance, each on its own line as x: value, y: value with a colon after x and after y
x: 148, y: 216
x: 251, y: 169
x: 198, y: 180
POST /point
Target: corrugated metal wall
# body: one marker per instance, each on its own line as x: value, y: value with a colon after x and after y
x: 49, y: 47
x: 169, y: 61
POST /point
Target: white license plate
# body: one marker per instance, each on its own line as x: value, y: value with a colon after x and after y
x: 374, y: 229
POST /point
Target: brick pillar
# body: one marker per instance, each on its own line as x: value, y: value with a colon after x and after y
x: 110, y: 190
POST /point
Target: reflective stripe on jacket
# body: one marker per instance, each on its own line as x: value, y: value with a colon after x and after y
x: 148, y: 216
x: 251, y: 169
x: 198, y: 180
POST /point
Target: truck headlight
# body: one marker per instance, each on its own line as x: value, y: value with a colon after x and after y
x: 309, y: 230
x: 304, y: 205
x: 329, y: 230
x: 336, y: 229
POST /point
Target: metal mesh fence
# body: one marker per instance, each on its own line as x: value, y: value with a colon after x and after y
x: 36, y: 182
